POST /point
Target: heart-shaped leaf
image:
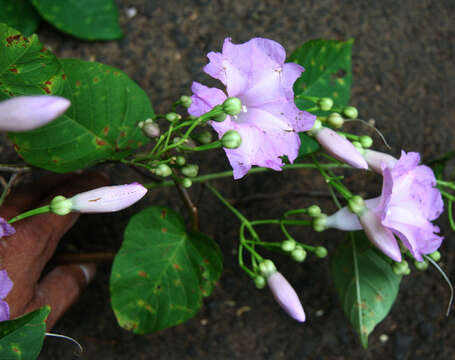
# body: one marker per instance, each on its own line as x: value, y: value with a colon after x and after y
x: 19, y: 14
x: 101, y: 124
x: 26, y: 67
x: 365, y: 282
x: 22, y: 338
x: 85, y: 19
x: 327, y: 72
x: 161, y: 273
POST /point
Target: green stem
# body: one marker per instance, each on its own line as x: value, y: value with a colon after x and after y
x: 213, y: 145
x: 448, y: 184
x: 452, y: 223
x: 228, y: 173
x: 309, y: 98
x: 8, y: 186
x: 349, y: 136
x: 295, y: 212
x: 40, y: 210
x: 447, y: 195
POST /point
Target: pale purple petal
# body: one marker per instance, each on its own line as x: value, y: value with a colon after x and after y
x: 108, y: 198
x: 204, y: 99
x: 340, y: 148
x: 379, y: 235
x: 376, y: 159
x: 5, y: 228
x: 5, y: 284
x: 4, y: 311
x: 286, y: 296
x: 344, y: 219
x: 25, y: 113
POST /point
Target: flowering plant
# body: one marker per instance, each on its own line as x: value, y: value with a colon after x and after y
x: 269, y: 114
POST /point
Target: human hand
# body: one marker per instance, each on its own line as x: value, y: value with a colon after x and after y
x: 25, y: 254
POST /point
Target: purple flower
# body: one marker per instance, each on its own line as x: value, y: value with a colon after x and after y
x: 108, y: 198
x: 255, y: 73
x: 5, y: 287
x: 5, y: 228
x: 375, y: 159
x: 286, y: 296
x: 25, y: 113
x: 406, y: 207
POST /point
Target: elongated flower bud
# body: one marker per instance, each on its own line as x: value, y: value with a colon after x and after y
x: 108, y: 198
x: 25, y: 113
x: 286, y: 296
x: 379, y: 235
x: 374, y: 160
x: 338, y: 147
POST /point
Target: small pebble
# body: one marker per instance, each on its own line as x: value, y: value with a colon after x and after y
x: 384, y: 338
x: 319, y: 313
x: 131, y: 12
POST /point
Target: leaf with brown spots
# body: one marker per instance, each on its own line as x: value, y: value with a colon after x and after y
x: 181, y: 269
x: 22, y: 338
x: 365, y: 283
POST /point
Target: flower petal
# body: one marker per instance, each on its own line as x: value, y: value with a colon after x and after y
x: 204, y: 99
x: 5, y: 284
x: 4, y: 311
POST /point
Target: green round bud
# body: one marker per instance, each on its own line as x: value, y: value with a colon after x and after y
x: 185, y: 101
x: 180, y: 160
x: 436, y: 256
x: 356, y: 204
x: 163, y: 170
x: 350, y: 112
x: 401, y: 268
x: 231, y: 139
x: 421, y: 265
x: 186, y: 183
x: 151, y: 130
x: 176, y: 139
x: 321, y: 251
x: 325, y: 103
x: 288, y: 245
x: 314, y: 211
x: 260, y: 282
x: 335, y: 120
x: 219, y: 118
x: 232, y: 106
x: 60, y: 205
x: 172, y: 116
x: 316, y: 127
x: 190, y: 170
x: 203, y: 137
x: 366, y: 141
x: 267, y: 268
x: 299, y: 254
x: 319, y: 223
x: 358, y: 146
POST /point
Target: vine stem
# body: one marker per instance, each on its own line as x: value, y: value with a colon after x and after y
x: 228, y: 173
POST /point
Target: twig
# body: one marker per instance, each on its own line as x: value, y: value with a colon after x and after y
x: 8, y: 186
x: 189, y: 204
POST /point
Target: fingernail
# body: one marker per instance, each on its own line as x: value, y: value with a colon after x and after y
x: 89, y: 271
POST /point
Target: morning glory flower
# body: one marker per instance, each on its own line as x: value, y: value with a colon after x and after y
x: 24, y: 113
x: 100, y: 200
x: 407, y: 206
x: 256, y: 73
x: 5, y: 287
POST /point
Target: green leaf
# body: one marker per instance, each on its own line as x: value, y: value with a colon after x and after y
x: 85, y: 19
x: 101, y: 123
x: 307, y: 145
x: 328, y: 71
x: 365, y: 283
x: 19, y: 14
x: 22, y: 338
x: 26, y: 67
x: 161, y: 273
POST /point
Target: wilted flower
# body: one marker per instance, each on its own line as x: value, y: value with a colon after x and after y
x: 406, y: 207
x: 25, y: 113
x: 5, y: 287
x: 103, y: 199
x: 255, y: 73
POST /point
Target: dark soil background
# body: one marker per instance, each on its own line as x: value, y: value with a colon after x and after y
x: 403, y: 64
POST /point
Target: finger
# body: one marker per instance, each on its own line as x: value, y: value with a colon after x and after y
x: 26, y: 197
x: 60, y: 289
x: 47, y: 229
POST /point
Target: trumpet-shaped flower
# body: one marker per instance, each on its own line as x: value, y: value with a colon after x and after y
x: 406, y: 207
x: 25, y: 113
x: 5, y: 287
x: 255, y: 73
